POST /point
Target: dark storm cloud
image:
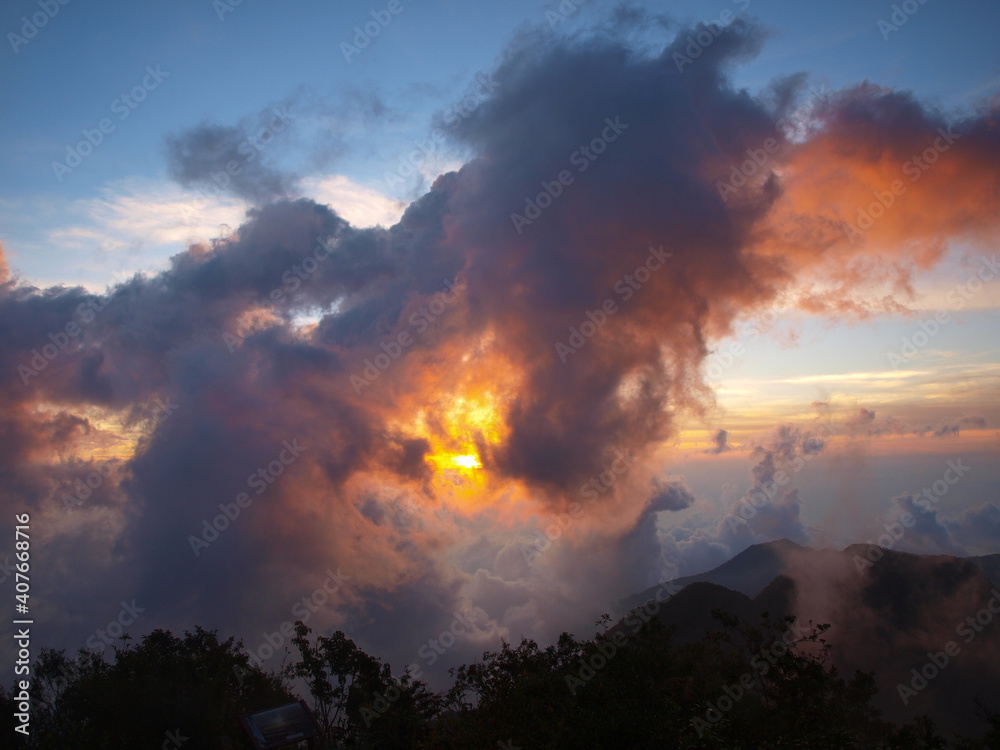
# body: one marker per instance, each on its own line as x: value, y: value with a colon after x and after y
x: 646, y: 188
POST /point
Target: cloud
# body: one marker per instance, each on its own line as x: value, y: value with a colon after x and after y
x: 720, y: 441
x: 928, y: 533
x: 132, y: 216
x: 232, y: 159
x: 363, y: 207
x: 955, y: 426
x: 429, y: 395
x: 136, y: 225
x: 641, y: 549
x: 977, y: 529
x: 769, y: 509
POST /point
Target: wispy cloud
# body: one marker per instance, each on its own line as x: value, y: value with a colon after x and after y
x: 848, y: 377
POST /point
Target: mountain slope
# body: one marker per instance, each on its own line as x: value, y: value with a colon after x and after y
x: 748, y: 572
x: 891, y: 616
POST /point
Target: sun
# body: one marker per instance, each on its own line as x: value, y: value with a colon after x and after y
x: 459, y: 430
x: 467, y: 462
x: 460, y: 412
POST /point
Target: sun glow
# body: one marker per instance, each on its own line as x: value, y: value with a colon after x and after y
x: 471, y: 423
x: 466, y: 462
x: 461, y: 431
x: 460, y: 410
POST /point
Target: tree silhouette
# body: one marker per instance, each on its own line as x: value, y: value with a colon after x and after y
x: 755, y: 685
x: 194, y: 687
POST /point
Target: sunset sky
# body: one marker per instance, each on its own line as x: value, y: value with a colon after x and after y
x: 494, y: 313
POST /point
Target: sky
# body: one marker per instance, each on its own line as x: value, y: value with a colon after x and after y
x: 416, y: 317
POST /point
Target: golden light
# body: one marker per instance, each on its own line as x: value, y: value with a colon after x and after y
x: 466, y: 462
x: 107, y: 436
x: 458, y: 428
x: 460, y: 410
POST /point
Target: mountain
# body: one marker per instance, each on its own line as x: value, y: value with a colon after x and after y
x: 749, y: 572
x: 689, y: 611
x: 900, y: 615
x: 754, y: 568
x: 990, y: 565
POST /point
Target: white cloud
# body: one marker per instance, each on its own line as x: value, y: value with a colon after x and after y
x: 139, y: 214
x: 361, y: 206
x: 137, y: 225
x: 130, y: 225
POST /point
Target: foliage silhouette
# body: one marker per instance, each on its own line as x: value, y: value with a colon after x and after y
x: 763, y: 684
